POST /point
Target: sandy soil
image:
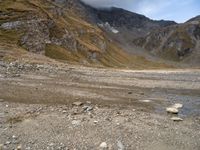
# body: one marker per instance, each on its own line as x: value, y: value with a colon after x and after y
x: 124, y: 108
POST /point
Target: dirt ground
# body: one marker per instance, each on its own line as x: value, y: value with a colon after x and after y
x: 123, y: 108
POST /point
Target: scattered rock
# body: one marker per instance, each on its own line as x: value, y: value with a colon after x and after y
x: 87, y: 108
x: 19, y: 147
x: 8, y: 142
x: 1, y: 146
x: 145, y: 101
x: 95, y: 122
x: 177, y: 105
x: 76, y: 122
x: 103, y: 145
x: 51, y: 144
x: 89, y: 102
x: 64, y: 111
x: 77, y: 103
x: 176, y: 119
x: 172, y: 110
x: 120, y: 145
x: 14, y: 137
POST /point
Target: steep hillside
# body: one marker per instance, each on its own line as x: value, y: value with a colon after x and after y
x: 179, y: 43
x: 136, y: 24
x: 57, y: 29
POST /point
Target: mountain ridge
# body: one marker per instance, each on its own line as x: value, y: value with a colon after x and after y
x: 73, y: 31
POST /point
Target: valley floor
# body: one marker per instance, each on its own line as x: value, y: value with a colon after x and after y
x: 124, y: 108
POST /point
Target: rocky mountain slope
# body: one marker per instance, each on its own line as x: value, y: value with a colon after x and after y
x: 60, y: 29
x: 179, y: 43
x: 136, y: 24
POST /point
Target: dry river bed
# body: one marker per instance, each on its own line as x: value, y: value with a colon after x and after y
x: 117, y: 109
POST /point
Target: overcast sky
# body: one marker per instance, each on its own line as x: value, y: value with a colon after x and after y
x: 178, y: 10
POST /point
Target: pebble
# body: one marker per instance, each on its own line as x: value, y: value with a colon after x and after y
x: 76, y: 122
x: 145, y: 101
x: 19, y: 147
x: 64, y: 111
x: 103, y: 145
x: 1, y: 146
x: 172, y: 110
x: 87, y: 108
x: 130, y: 92
x: 1, y: 100
x: 95, y: 121
x: 177, y: 105
x: 77, y: 103
x: 14, y: 137
x: 8, y: 142
x: 176, y: 119
x: 120, y: 145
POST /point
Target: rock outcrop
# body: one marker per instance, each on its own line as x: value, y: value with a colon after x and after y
x: 177, y: 42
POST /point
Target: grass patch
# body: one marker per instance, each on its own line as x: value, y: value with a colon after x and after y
x: 58, y: 52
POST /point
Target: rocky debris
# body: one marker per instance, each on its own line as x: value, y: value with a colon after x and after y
x: 11, y: 25
x: 77, y: 103
x: 172, y: 110
x: 103, y: 146
x: 176, y: 119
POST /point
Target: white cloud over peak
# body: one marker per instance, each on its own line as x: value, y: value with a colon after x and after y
x: 176, y: 10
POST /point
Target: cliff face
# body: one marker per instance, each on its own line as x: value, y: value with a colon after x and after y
x: 177, y: 42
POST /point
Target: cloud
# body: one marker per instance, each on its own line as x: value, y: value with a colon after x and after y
x: 109, y: 3
x: 156, y: 9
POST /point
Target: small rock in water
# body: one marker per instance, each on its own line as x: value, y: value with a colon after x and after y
x: 177, y: 105
x: 176, y: 119
x: 77, y: 103
x: 103, y: 145
x: 120, y: 145
x: 172, y: 110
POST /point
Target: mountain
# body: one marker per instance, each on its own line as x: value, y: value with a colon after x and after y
x: 136, y: 24
x: 72, y: 31
x: 63, y: 30
x: 180, y: 43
